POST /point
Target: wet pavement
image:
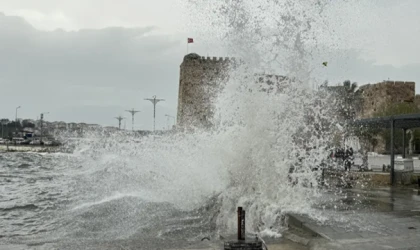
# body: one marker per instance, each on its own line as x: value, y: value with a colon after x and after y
x: 274, y: 244
x: 386, y: 218
x: 382, y: 218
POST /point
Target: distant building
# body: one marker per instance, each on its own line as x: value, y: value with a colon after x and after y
x: 72, y: 125
x: 93, y: 126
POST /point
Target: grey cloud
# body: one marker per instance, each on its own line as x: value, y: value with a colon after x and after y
x: 58, y: 71
x: 94, y: 75
x: 343, y: 65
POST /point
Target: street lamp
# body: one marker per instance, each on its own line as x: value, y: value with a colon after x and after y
x: 16, y: 118
x: 154, y: 101
x: 132, y: 112
x: 119, y: 118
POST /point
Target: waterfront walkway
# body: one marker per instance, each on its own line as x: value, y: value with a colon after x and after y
x: 376, y: 219
x: 371, y: 219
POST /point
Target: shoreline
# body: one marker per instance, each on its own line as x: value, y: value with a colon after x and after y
x: 29, y: 148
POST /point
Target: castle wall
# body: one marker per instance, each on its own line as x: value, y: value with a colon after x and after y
x: 200, y: 80
x: 376, y: 97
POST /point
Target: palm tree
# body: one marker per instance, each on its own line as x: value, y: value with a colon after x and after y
x: 349, y: 100
x: 350, y: 87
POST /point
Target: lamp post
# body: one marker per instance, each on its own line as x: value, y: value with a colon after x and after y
x: 119, y: 118
x: 42, y: 118
x: 132, y: 112
x: 16, y: 118
x: 154, y: 101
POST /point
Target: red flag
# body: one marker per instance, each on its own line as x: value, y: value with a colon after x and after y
x: 190, y: 40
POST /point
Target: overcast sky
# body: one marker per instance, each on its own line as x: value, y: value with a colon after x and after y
x: 89, y: 60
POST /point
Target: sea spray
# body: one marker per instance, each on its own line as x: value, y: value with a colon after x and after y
x: 264, y: 147
x: 271, y: 133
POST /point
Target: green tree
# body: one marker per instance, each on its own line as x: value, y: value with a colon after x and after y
x: 368, y: 135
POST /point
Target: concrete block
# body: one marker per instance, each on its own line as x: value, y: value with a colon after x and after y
x: 344, y: 236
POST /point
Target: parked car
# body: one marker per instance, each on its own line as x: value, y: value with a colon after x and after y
x: 49, y: 143
x: 17, y: 140
x: 25, y: 142
x: 35, y: 142
x: 52, y: 143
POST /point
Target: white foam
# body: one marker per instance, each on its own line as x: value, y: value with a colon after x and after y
x: 245, y: 160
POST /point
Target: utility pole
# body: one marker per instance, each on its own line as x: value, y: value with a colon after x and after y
x: 154, y: 101
x: 16, y: 119
x: 3, y: 122
x: 119, y: 118
x: 132, y: 112
x: 42, y: 118
x: 168, y: 117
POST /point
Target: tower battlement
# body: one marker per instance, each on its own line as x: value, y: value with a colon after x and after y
x: 389, y: 84
x: 207, y: 60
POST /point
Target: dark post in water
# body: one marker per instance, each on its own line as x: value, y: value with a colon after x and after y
x: 241, y: 224
x: 241, y: 243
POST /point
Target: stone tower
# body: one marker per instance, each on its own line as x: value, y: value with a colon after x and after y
x: 200, y: 80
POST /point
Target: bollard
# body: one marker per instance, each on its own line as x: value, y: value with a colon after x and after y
x: 241, y: 224
x: 418, y: 181
x: 242, y: 243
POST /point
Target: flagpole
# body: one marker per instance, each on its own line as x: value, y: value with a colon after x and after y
x: 189, y: 40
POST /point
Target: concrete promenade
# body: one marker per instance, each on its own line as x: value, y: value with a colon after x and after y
x: 377, y: 161
x: 278, y: 244
x: 377, y: 219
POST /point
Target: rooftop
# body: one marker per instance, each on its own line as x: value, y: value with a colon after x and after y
x: 406, y: 121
